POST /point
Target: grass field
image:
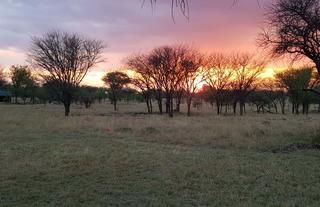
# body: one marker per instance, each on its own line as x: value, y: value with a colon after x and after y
x: 100, y: 158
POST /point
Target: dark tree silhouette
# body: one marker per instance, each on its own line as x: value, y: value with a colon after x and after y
x: 295, y: 81
x: 115, y: 81
x: 66, y: 59
x: 166, y: 66
x: 3, y: 81
x: 86, y: 95
x: 247, y: 68
x: 293, y: 27
x: 218, y: 74
x: 23, y: 83
x: 190, y: 67
x: 143, y: 77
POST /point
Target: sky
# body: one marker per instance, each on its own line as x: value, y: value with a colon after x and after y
x: 127, y: 27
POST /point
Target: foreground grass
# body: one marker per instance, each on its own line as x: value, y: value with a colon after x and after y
x: 100, y: 158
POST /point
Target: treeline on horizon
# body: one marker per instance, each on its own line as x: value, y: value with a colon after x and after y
x: 228, y: 82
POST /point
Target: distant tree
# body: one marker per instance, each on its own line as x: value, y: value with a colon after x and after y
x: 166, y: 66
x: 295, y: 81
x: 3, y: 82
x: 260, y: 100
x: 115, y: 81
x: 86, y: 95
x: 66, y: 59
x: 191, y: 66
x: 246, y: 69
x: 100, y: 94
x: 23, y: 83
x: 218, y: 75
x: 293, y: 28
x: 42, y: 94
x: 129, y: 94
x: 276, y: 93
x: 143, y: 77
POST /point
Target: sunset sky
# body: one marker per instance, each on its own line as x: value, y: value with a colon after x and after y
x: 125, y: 27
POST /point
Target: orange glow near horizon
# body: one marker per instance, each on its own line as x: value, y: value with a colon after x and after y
x: 93, y: 78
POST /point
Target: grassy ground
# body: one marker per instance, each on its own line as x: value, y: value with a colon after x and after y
x: 100, y: 158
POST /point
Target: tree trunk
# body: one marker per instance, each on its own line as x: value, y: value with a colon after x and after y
x: 218, y: 107
x: 114, y: 97
x: 160, y: 105
x: 292, y: 110
x: 115, y: 105
x: 234, y: 108
x: 276, y: 107
x: 283, y: 108
x: 171, y: 107
x: 178, y: 101
x: 241, y: 108
x: 67, y: 102
x: 297, y: 106
x: 189, y: 106
x: 178, y: 105
x: 67, y: 108
x: 150, y: 105
x: 159, y: 99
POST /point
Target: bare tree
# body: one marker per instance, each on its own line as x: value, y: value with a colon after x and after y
x: 143, y: 78
x: 247, y: 68
x: 191, y: 66
x: 276, y: 93
x: 66, y: 59
x: 218, y: 74
x: 166, y: 65
x: 293, y: 27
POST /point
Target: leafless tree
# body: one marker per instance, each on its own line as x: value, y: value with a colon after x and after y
x: 218, y: 74
x: 143, y: 78
x: 275, y: 93
x: 65, y: 59
x: 191, y: 69
x: 293, y: 27
x: 246, y: 68
x: 166, y: 65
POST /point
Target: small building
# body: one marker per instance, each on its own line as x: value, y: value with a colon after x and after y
x: 5, y: 96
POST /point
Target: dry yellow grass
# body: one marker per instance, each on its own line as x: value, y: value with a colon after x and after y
x: 97, y: 157
x: 203, y: 129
